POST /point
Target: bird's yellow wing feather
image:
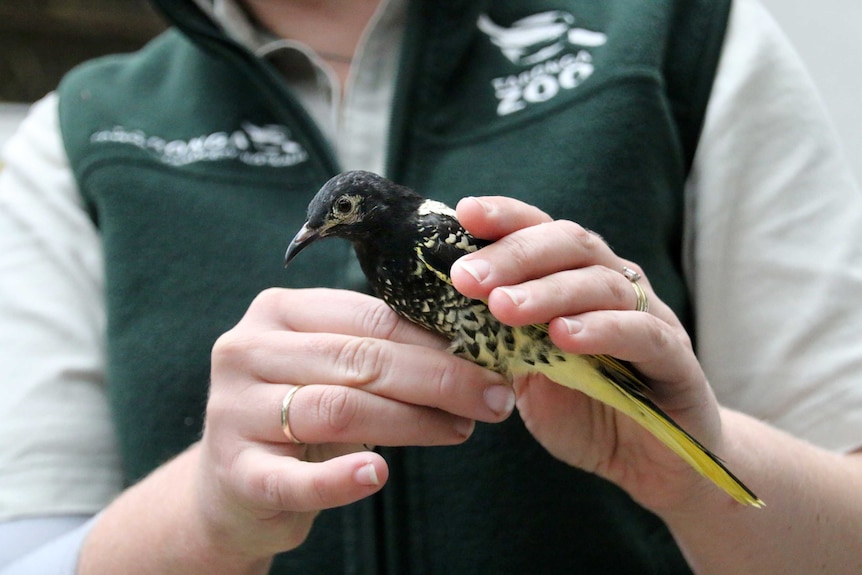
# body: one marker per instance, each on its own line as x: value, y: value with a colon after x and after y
x: 611, y: 382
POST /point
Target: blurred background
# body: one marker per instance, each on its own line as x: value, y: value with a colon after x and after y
x: 41, y: 39
x: 825, y: 35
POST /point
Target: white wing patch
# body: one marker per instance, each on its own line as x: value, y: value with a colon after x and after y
x: 435, y: 207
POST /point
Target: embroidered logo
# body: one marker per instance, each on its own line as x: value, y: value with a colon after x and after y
x: 554, y: 49
x: 269, y: 145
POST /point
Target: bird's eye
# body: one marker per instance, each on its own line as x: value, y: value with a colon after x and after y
x: 343, y: 206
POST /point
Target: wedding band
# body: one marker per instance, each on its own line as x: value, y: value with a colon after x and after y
x: 633, y: 277
x: 285, y: 415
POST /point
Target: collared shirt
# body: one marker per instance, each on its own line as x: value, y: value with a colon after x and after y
x: 349, y: 116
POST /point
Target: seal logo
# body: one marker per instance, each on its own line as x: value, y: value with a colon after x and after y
x: 552, y: 46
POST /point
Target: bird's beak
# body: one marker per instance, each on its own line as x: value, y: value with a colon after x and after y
x: 303, y: 238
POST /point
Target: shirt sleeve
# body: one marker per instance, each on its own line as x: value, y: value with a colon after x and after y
x: 58, y: 454
x: 774, y: 244
x: 42, y: 546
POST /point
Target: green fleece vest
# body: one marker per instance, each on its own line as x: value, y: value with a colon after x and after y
x: 197, y: 163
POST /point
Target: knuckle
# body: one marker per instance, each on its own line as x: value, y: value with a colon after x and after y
x: 361, y: 360
x: 230, y: 344
x: 615, y: 328
x: 271, y: 489
x: 579, y: 235
x: 659, y: 337
x: 618, y: 287
x: 321, y: 493
x: 448, y: 378
x: 272, y: 492
x: 239, y: 354
x: 681, y: 337
x: 378, y: 319
x: 269, y: 299
x: 275, y: 491
x: 518, y: 249
x: 243, y: 483
x: 279, y: 493
x: 337, y: 409
x: 233, y: 348
x: 267, y: 302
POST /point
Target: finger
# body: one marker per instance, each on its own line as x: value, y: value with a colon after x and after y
x: 492, y: 217
x: 660, y: 352
x: 568, y: 423
x: 401, y: 372
x: 570, y: 292
x: 268, y: 481
x: 531, y: 253
x: 330, y: 414
x: 337, y: 311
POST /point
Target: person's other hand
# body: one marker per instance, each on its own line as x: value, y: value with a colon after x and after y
x: 367, y: 377
x: 544, y: 271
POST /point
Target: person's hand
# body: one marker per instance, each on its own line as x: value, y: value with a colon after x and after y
x: 544, y: 271
x: 367, y: 377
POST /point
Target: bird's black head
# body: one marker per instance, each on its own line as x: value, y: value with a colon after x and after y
x: 354, y: 205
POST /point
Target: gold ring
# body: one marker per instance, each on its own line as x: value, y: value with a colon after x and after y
x: 633, y: 277
x: 285, y: 416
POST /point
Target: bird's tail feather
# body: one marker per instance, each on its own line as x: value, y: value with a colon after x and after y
x: 616, y: 385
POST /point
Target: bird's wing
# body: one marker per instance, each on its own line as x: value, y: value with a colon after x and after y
x: 423, y: 253
x: 612, y: 382
x: 444, y: 242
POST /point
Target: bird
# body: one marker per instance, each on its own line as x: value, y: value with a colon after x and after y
x: 406, y: 245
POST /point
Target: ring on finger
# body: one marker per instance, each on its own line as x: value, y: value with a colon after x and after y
x: 634, y: 277
x: 285, y: 414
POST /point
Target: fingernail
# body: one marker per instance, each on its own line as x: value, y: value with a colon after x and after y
x: 479, y: 269
x: 464, y: 427
x: 500, y: 399
x: 366, y: 475
x: 573, y: 326
x: 517, y: 295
